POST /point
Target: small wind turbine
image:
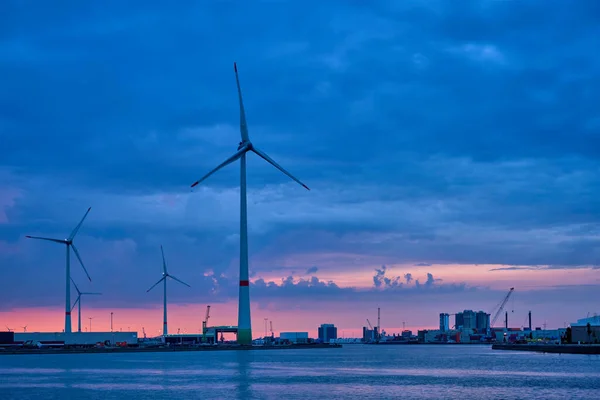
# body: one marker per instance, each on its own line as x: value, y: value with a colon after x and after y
x: 8, y: 329
x: 69, y: 243
x: 165, y: 275
x: 24, y: 328
x: 244, y: 335
x: 78, y: 302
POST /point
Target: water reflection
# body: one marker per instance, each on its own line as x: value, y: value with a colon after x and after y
x: 347, y: 373
x: 243, y: 388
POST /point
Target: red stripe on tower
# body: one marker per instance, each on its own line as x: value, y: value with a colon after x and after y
x: 244, y: 283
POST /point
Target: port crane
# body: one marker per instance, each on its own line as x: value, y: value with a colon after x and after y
x: 502, y: 304
x: 204, y: 324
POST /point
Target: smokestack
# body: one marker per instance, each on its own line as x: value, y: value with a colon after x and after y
x: 529, y: 320
x: 506, y: 320
x: 378, y: 323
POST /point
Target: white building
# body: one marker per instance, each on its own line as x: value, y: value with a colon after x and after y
x: 593, y: 321
x: 77, y: 338
x: 294, y: 337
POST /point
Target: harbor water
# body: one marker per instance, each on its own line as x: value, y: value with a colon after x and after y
x: 351, y: 372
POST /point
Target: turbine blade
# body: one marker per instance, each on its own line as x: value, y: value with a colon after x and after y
x: 279, y: 167
x: 43, y: 238
x: 178, y: 280
x: 76, y: 301
x: 76, y: 288
x: 90, y: 293
x: 231, y: 159
x: 159, y: 281
x: 164, y: 262
x: 79, y: 225
x: 80, y: 262
x: 243, y: 125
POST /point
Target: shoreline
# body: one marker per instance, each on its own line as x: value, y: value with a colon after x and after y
x: 115, y: 350
x: 551, y: 348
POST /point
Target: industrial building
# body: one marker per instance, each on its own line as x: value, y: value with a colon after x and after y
x: 294, y: 337
x: 580, y: 332
x: 327, y: 332
x: 77, y: 338
x: 370, y: 335
x: 469, y: 319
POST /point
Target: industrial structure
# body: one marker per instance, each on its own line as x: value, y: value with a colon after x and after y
x: 165, y: 275
x: 469, y: 319
x: 244, y: 335
x: 69, y: 244
x: 78, y: 303
x: 87, y: 339
x: 586, y: 330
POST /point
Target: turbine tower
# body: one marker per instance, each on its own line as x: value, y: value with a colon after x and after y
x: 165, y: 275
x: 78, y: 302
x: 244, y: 335
x: 69, y: 243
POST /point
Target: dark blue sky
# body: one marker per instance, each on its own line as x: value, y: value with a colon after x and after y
x: 430, y: 132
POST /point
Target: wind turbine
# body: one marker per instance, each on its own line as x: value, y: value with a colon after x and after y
x: 8, y: 329
x: 165, y: 275
x: 244, y: 335
x: 78, y: 302
x: 69, y: 243
x: 24, y: 328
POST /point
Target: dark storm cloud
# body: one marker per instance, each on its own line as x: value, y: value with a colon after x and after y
x: 453, y: 132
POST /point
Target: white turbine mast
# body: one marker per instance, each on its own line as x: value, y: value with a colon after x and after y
x: 78, y: 303
x: 69, y: 243
x: 244, y: 335
x: 165, y: 275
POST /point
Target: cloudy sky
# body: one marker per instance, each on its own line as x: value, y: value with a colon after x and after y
x: 451, y: 147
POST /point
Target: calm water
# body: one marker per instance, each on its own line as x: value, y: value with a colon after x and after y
x: 352, y: 372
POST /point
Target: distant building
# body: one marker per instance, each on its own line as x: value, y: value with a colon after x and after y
x: 459, y: 321
x: 482, y: 321
x: 593, y: 321
x: 327, y: 332
x: 444, y: 322
x: 369, y: 335
x: 469, y: 320
x: 406, y: 334
x: 294, y: 337
x: 77, y: 338
x: 579, y: 330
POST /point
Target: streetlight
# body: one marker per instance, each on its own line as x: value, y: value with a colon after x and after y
x: 111, y: 317
x: 90, y: 318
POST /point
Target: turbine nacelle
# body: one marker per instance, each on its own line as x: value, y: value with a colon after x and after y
x: 165, y: 274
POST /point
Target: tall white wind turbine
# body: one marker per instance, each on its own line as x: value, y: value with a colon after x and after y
x: 165, y: 275
x: 69, y: 243
x: 244, y: 335
x: 78, y: 302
